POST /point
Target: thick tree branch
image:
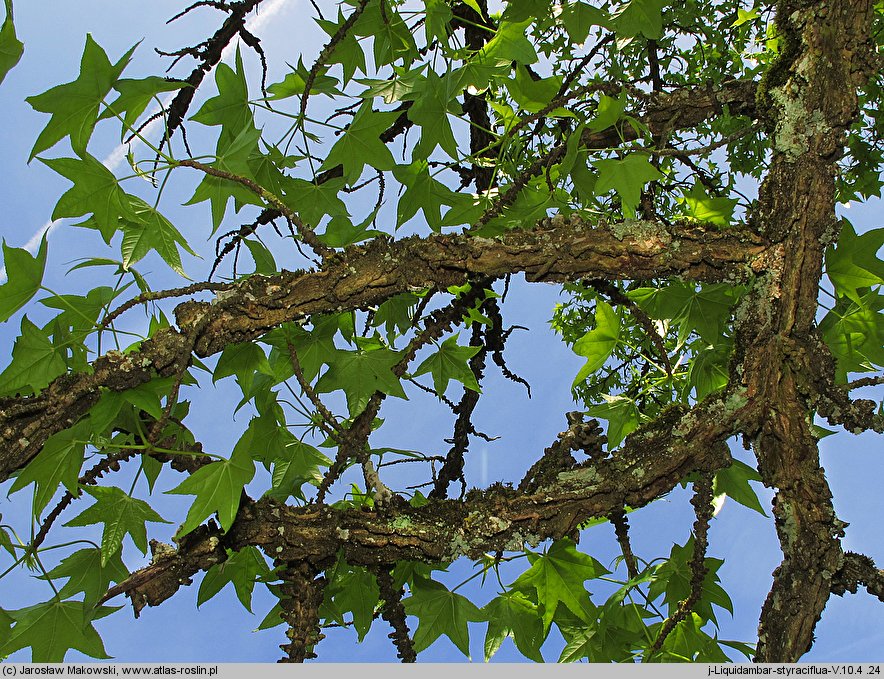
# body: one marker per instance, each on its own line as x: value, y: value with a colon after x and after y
x: 649, y: 464
x: 810, y: 100
x: 555, y: 250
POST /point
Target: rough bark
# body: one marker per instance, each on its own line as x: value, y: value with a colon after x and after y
x: 555, y: 250
x: 811, y: 97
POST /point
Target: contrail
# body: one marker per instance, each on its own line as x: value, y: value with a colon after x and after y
x: 116, y: 157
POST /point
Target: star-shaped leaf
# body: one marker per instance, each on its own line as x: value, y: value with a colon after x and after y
x: 52, y: 628
x: 440, y: 611
x: 360, y: 144
x: 150, y: 230
x: 704, y: 208
x: 422, y: 192
x: 509, y: 44
x: 74, y: 105
x: 626, y: 177
x: 120, y: 514
x: 622, y: 416
x: 89, y: 572
x: 853, y: 263
x: 450, y: 362
x: 58, y: 463
x: 24, y: 274
x: 557, y: 577
x: 298, y: 464
x: 640, y: 17
x: 350, y: 589
x: 36, y: 361
x: 96, y: 190
x: 243, y: 568
x: 512, y: 614
x: 135, y: 95
x: 430, y: 111
x: 598, y: 344
x: 673, y: 577
x: 360, y: 374
x: 733, y: 481
x: 218, y: 488
x: 230, y: 107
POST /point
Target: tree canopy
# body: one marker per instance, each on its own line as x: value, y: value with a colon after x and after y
x: 674, y: 168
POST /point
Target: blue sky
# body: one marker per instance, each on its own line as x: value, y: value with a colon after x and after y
x: 54, y: 32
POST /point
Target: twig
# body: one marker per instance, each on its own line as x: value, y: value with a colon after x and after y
x: 304, y: 231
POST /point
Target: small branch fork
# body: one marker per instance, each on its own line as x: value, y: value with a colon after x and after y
x: 394, y: 613
x: 209, y: 53
x: 702, y: 502
x: 304, y: 231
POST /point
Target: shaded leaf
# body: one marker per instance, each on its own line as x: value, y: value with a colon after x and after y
x: 120, y: 514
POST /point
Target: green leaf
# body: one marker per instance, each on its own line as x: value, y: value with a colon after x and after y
x: 512, y: 614
x: 243, y: 569
x: 314, y: 201
x: 241, y: 360
x: 579, y: 646
x: 218, y: 488
x: 24, y: 275
x: 855, y: 333
x: 557, y: 577
x: 230, y: 107
x: 150, y: 230
x: 509, y: 44
x: 297, y: 464
x: 58, y: 463
x: 360, y: 144
x: 626, y: 177
x: 708, y: 370
x: 360, y: 374
x: 395, y: 314
x: 89, y: 572
x: 672, y: 579
x: 622, y: 416
x: 705, y: 311
x: 440, y: 611
x: 52, y: 628
x: 120, y: 514
x: 347, y: 52
x: 218, y: 192
x: 134, y: 97
x: 36, y: 361
x: 95, y: 191
x: 700, y: 206
x: 11, y: 48
x: 294, y: 83
x: 608, y: 112
x: 579, y: 17
x: 436, y: 20
x: 853, y: 263
x: 733, y: 481
x: 315, y: 348
x: 432, y: 100
x: 450, y: 362
x: 263, y: 258
x: 74, y: 106
x: 532, y: 95
x: 350, y: 589
x: 744, y: 16
x: 640, y: 17
x: 598, y: 344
